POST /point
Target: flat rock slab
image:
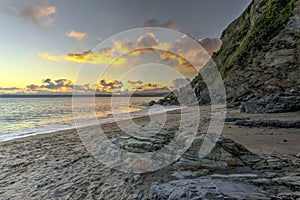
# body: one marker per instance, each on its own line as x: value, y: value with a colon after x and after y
x: 274, y: 103
x: 268, y: 123
x: 206, y: 188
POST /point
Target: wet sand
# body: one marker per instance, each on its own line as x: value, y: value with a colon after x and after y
x: 58, y: 166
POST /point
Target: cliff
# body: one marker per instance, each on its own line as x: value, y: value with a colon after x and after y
x: 260, y: 53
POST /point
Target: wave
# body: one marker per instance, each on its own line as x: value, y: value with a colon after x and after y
x: 51, y: 128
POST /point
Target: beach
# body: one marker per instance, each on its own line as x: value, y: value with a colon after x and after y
x: 57, y: 165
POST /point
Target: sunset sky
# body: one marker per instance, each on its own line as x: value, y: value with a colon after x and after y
x: 44, y: 43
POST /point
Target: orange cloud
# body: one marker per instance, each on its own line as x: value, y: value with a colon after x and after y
x: 141, y: 51
x: 104, y: 56
x: 47, y: 56
x: 100, y: 57
x: 186, y: 47
x: 36, y: 12
x: 147, y: 41
x: 77, y: 35
x: 123, y: 46
x: 167, y: 55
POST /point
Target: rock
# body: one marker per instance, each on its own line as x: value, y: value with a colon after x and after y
x: 149, y: 141
x: 274, y: 103
x: 151, y: 103
x: 283, y: 189
x: 190, y: 174
x: 183, y: 174
x: 234, y: 176
x: 268, y: 123
x: 205, y: 188
x: 298, y: 155
x: 140, y: 195
x: 260, y: 181
x: 225, y: 155
x: 234, y: 119
x: 288, y: 196
x: 291, y: 181
x: 272, y: 163
x: 137, y: 177
x: 169, y: 100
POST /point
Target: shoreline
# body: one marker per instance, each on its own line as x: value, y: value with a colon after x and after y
x: 70, y: 125
x: 259, y: 140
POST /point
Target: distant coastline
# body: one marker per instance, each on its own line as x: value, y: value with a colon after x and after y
x: 83, y: 95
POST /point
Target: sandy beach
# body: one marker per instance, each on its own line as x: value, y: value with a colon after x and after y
x: 57, y: 165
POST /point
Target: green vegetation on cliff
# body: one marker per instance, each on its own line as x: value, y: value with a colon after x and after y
x: 274, y: 17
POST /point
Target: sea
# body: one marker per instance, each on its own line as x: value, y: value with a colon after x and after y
x: 22, y: 117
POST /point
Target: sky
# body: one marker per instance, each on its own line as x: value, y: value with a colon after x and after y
x: 53, y: 46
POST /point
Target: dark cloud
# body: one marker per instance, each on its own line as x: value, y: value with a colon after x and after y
x: 151, y: 23
x: 181, y: 82
x: 211, y: 45
x: 135, y: 82
x: 53, y: 85
x: 169, y: 24
x: 32, y: 87
x: 149, y: 87
x: 36, y: 12
x: 9, y: 89
x: 109, y: 86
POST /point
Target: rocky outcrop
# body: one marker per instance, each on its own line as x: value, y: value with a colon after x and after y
x: 225, y: 155
x: 274, y: 103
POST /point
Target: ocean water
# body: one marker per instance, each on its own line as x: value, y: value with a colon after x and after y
x: 21, y: 117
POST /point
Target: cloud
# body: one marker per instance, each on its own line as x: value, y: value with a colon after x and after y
x: 149, y: 87
x: 135, y: 82
x: 103, y: 56
x: 147, y: 41
x: 180, y: 82
x: 151, y: 23
x: 36, y: 12
x: 47, y: 56
x: 170, y: 25
x: 9, y: 89
x: 58, y: 86
x: 64, y: 85
x: 77, y: 35
x: 211, y: 45
x: 109, y: 86
x: 154, y: 23
x: 189, y: 57
x: 123, y: 46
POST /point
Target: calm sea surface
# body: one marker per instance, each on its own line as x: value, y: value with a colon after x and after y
x: 21, y: 117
